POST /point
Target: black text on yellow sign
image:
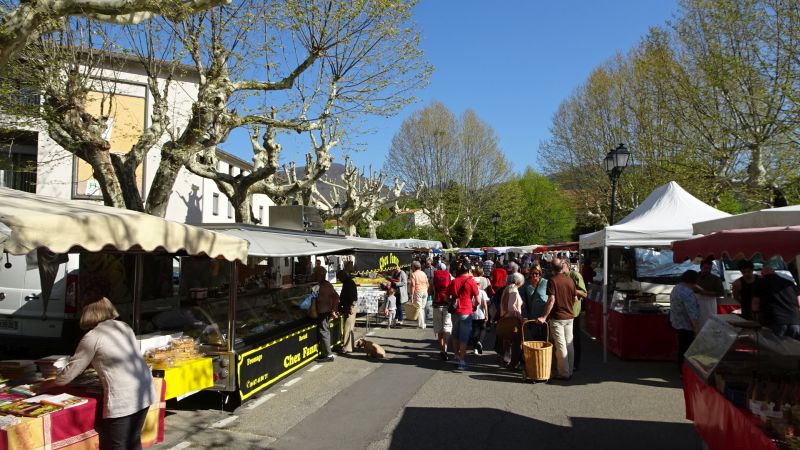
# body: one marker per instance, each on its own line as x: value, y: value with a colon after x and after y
x: 267, y: 364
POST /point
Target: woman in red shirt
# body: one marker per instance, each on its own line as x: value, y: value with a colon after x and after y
x: 465, y: 288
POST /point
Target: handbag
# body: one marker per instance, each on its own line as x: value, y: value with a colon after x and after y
x: 507, y: 327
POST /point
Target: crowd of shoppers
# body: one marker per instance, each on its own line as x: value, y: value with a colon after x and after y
x: 467, y: 297
x: 488, y: 291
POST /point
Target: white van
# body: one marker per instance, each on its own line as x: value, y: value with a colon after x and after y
x: 731, y: 272
x: 23, y: 321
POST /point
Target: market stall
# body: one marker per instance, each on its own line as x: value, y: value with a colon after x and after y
x: 272, y: 335
x: 739, y: 386
x: 666, y: 215
x: 738, y: 381
x: 135, y: 253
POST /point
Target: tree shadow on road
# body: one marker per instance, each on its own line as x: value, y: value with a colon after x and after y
x: 489, y: 428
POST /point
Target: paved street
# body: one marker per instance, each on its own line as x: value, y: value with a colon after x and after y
x: 414, y: 400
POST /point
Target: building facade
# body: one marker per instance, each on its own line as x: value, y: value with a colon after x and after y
x: 33, y: 162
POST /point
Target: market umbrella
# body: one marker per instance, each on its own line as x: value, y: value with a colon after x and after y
x: 743, y: 243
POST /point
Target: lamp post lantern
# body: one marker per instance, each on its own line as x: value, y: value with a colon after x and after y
x: 615, y: 162
x: 337, y: 211
x: 495, y: 221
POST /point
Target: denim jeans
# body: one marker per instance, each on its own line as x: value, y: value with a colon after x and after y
x: 462, y: 327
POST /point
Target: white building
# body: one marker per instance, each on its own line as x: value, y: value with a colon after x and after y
x: 31, y: 161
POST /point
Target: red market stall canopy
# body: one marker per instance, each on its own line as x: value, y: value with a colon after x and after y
x: 558, y: 247
x: 60, y: 225
x: 743, y: 243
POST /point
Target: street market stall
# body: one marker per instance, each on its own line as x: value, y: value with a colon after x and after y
x: 738, y: 382
x: 666, y: 215
x: 126, y: 248
x: 739, y: 386
x: 272, y: 337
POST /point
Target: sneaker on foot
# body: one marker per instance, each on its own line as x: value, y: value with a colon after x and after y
x: 479, y: 348
x: 462, y: 365
x: 443, y: 355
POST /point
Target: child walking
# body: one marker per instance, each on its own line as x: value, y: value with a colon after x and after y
x: 390, y: 308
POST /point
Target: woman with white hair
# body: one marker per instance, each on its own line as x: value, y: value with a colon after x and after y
x: 511, y: 307
x: 419, y: 291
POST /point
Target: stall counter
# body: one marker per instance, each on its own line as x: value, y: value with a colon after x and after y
x: 641, y: 336
x: 186, y: 377
x: 721, y: 425
x: 74, y: 428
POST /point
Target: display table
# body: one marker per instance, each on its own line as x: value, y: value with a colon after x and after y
x: 74, y: 428
x: 721, y: 425
x: 186, y: 377
x: 594, y: 319
x: 641, y: 336
x: 71, y: 428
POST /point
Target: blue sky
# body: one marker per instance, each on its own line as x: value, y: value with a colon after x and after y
x: 513, y: 62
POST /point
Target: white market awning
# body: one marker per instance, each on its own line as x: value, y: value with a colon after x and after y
x: 37, y: 221
x: 786, y: 216
x: 265, y: 242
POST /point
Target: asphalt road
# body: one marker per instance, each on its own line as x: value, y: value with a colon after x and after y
x: 412, y: 399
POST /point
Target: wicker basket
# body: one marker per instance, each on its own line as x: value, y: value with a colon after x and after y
x: 538, y: 356
x: 411, y: 310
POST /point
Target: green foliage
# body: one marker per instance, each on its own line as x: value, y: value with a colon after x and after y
x: 709, y: 100
x: 533, y: 210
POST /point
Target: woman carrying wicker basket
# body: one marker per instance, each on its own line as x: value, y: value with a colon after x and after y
x: 511, y: 309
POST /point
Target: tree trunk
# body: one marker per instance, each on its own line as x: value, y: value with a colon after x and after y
x: 469, y: 231
x: 103, y: 171
x: 242, y: 208
x: 126, y: 175
x: 161, y: 189
x: 756, y: 169
x: 351, y: 230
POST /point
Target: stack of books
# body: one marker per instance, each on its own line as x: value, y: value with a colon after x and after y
x: 50, y: 365
x: 26, y: 409
x: 15, y: 369
x: 9, y: 397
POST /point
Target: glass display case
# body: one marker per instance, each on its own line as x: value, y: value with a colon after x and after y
x: 734, y: 348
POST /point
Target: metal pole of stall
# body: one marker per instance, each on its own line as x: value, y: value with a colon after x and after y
x: 605, y: 303
x: 138, y: 277
x: 232, y: 296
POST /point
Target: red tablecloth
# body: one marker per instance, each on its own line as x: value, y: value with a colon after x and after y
x: 594, y: 318
x: 71, y: 428
x: 641, y: 336
x: 721, y: 425
x: 726, y: 309
x: 74, y: 428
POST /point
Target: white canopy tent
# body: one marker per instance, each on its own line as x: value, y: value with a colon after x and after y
x: 265, y: 242
x: 51, y: 227
x: 786, y: 216
x: 666, y: 215
x: 774, y: 217
x: 400, y: 243
x: 59, y: 225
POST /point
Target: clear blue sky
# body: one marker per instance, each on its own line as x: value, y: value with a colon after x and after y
x: 513, y: 62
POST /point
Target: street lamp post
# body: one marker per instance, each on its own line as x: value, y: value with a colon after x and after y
x: 495, y: 221
x: 337, y: 211
x: 615, y: 162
